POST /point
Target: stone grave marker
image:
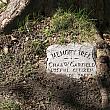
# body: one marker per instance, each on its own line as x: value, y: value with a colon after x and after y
x: 73, y: 60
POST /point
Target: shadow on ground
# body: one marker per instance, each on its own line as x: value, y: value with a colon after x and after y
x: 52, y: 92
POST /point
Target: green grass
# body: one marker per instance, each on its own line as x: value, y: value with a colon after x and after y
x: 39, y: 46
x: 75, y: 26
x: 9, y: 105
x: 62, y: 21
x: 29, y: 21
x: 23, y: 26
x: 70, y: 26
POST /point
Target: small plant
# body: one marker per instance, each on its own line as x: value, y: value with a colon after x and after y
x: 39, y: 47
x: 29, y: 21
x: 62, y: 40
x: 62, y: 20
x: 23, y: 26
x: 9, y: 105
x: 47, y: 32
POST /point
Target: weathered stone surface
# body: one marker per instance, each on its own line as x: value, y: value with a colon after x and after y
x: 73, y: 60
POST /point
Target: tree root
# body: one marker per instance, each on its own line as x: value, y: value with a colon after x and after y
x: 13, y: 10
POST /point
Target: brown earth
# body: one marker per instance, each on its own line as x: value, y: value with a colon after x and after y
x: 23, y: 77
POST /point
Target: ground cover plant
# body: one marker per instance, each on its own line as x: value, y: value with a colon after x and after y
x: 71, y: 26
x: 9, y: 105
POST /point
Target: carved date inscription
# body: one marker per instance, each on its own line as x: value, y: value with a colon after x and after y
x: 73, y: 60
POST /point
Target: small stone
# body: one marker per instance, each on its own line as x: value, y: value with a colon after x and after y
x: 5, y: 49
x: 13, y: 38
x: 37, y: 57
x: 27, y: 38
x: 24, y: 82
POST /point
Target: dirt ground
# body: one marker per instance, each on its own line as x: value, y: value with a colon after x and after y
x: 23, y: 78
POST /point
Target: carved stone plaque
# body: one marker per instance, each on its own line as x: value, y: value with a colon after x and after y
x: 73, y: 60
